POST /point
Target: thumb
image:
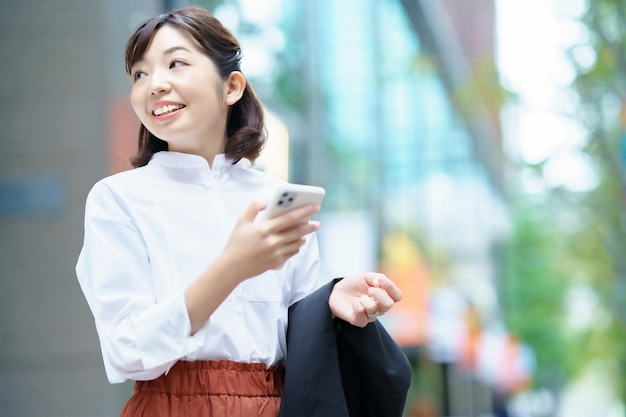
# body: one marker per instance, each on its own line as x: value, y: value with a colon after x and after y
x: 379, y: 280
x: 252, y: 210
x: 391, y: 288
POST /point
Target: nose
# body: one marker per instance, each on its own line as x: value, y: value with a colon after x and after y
x: 159, y: 83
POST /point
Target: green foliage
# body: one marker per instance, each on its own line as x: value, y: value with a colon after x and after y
x: 602, y: 91
x: 534, y: 284
x: 568, y: 238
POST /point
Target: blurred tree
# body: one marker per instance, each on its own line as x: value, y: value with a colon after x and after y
x: 566, y: 239
x: 534, y: 282
x: 600, y: 241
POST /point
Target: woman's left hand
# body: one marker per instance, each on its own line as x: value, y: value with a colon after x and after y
x: 360, y: 299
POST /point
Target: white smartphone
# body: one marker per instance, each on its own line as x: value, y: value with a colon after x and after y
x: 290, y: 196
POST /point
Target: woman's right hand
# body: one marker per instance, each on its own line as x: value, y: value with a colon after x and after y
x: 252, y: 248
x: 255, y: 247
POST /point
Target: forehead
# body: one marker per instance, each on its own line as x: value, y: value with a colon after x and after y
x: 166, y: 39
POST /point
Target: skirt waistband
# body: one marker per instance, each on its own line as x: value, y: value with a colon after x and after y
x: 218, y: 378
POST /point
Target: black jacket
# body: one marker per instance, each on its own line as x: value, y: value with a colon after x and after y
x: 335, y: 369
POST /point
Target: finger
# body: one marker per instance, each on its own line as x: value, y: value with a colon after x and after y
x: 393, y: 290
x: 369, y: 305
x: 374, y: 279
x: 295, y: 216
x: 298, y: 231
x: 359, y: 316
x: 252, y: 210
x: 291, y: 240
x: 386, y: 284
x: 292, y: 248
x: 383, y: 300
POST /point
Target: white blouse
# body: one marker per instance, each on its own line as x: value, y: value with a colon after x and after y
x: 152, y: 230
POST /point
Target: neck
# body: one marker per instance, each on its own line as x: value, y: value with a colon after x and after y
x: 206, y: 150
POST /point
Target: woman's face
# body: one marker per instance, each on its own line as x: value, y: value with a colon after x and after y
x: 178, y: 94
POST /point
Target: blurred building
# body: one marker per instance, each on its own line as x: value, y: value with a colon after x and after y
x: 399, y: 121
x: 63, y: 95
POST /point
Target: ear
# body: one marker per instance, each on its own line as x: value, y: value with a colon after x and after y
x: 235, y: 86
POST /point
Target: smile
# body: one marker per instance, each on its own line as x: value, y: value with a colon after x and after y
x: 167, y: 109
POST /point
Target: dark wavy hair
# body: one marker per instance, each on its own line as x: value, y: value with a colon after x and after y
x: 245, y: 130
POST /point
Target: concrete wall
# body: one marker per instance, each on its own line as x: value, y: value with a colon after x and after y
x: 61, y: 68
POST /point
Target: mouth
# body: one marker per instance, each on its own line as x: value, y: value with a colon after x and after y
x: 168, y: 108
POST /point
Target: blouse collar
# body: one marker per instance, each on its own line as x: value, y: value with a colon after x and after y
x: 191, y: 161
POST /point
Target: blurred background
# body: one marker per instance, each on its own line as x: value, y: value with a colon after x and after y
x: 472, y: 150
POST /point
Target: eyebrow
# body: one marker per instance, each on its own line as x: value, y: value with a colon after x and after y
x: 168, y: 51
x: 173, y: 49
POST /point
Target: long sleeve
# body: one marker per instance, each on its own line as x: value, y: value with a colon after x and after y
x: 304, y: 271
x: 149, y: 233
x: 140, y: 338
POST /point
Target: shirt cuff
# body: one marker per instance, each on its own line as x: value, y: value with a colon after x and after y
x: 163, y: 332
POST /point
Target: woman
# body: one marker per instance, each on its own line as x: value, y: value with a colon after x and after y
x: 184, y: 285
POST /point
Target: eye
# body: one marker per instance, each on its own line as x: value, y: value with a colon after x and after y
x: 137, y: 75
x: 177, y: 64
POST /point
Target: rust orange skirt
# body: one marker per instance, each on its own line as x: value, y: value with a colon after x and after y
x: 209, y: 389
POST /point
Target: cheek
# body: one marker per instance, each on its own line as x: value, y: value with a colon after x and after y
x: 136, y: 101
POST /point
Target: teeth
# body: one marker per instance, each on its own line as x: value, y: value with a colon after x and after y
x: 166, y: 109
